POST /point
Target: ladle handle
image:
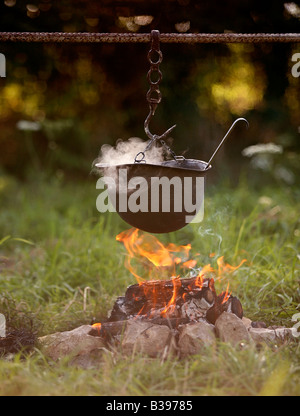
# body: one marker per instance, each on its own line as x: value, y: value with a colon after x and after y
x: 223, y: 140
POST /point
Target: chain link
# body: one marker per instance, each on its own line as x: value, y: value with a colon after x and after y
x: 154, y: 97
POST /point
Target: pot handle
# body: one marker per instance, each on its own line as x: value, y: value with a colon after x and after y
x: 223, y: 140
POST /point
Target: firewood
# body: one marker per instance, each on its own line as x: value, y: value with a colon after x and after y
x: 164, y: 288
x: 236, y: 307
x: 142, y: 299
x: 233, y: 305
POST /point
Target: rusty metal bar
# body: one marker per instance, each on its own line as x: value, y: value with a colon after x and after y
x: 189, y: 38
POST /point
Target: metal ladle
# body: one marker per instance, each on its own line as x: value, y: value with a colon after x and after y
x: 224, y: 138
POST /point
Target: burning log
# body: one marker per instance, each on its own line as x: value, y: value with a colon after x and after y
x: 156, y: 297
x: 189, y: 299
x: 232, y: 305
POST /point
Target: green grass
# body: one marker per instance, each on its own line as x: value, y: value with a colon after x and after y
x: 61, y: 267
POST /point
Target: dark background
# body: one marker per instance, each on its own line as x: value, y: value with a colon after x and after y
x: 83, y: 96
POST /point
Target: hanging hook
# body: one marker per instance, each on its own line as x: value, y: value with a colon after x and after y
x: 153, y: 96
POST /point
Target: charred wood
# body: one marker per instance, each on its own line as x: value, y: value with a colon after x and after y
x: 232, y: 305
x: 142, y: 299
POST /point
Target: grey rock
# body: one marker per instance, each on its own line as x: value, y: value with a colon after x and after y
x: 284, y: 334
x: 75, y: 343
x: 260, y: 335
x: 247, y: 322
x: 146, y: 338
x: 269, y: 335
x: 195, y: 336
x: 258, y: 324
x: 231, y: 329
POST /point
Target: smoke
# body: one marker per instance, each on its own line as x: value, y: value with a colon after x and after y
x: 215, y: 238
x: 124, y: 152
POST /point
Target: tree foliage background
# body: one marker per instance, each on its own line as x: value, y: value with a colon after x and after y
x: 82, y: 96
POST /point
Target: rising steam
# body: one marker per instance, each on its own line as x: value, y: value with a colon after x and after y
x: 124, y: 152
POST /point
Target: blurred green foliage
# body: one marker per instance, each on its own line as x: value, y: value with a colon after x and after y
x: 83, y: 96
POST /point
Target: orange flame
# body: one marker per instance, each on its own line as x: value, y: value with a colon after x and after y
x: 161, y: 261
x: 226, y: 295
x: 150, y: 248
x: 189, y: 264
x: 224, y: 268
x: 97, y: 326
x: 201, y: 275
x: 172, y: 304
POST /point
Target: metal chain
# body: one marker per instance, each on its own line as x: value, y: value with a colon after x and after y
x: 153, y: 96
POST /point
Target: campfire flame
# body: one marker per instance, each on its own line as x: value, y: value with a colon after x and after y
x: 97, y: 327
x: 171, y: 304
x: 224, y: 268
x: 162, y: 261
x: 164, y: 294
x: 225, y: 295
